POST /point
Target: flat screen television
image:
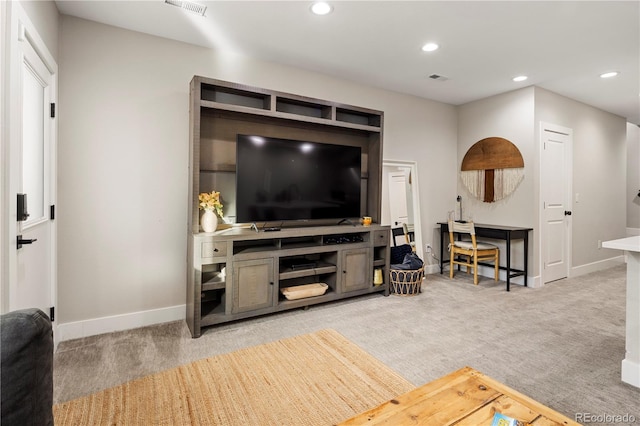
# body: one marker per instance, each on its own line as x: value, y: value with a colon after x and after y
x: 295, y: 180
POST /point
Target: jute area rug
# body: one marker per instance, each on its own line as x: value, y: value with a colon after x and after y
x: 319, y: 378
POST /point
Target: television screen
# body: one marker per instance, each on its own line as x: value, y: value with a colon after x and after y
x: 289, y: 180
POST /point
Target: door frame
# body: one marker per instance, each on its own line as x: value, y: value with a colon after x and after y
x: 569, y: 195
x: 415, y: 194
x: 4, y: 155
x: 18, y: 28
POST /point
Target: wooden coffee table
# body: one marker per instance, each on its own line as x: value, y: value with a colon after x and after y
x: 464, y: 397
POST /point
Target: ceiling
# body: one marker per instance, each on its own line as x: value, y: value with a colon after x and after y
x: 561, y: 46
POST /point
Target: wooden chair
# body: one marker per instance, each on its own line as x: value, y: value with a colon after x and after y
x: 396, y: 232
x: 409, y: 236
x: 469, y: 253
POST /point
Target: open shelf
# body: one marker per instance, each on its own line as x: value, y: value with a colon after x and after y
x: 225, y: 95
x: 212, y: 303
x: 213, y: 281
x: 303, y: 108
x: 220, y: 168
x: 352, y: 116
x: 296, y: 242
x: 379, y: 255
x: 255, y: 246
x: 234, y: 96
x: 319, y: 269
x: 378, y: 262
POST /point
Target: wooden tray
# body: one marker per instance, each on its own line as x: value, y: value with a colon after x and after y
x: 303, y: 291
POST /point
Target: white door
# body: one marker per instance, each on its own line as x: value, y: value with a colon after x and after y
x: 556, y: 144
x: 398, y: 198
x: 398, y: 202
x: 32, y: 130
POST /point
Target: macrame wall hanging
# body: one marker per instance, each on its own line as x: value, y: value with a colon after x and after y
x: 492, y: 169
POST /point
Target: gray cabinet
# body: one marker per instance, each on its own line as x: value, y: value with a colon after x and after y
x: 253, y: 285
x: 356, y: 269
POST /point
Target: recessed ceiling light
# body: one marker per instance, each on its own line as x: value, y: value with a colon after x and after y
x: 321, y: 8
x: 609, y: 74
x: 430, y: 47
x: 520, y: 78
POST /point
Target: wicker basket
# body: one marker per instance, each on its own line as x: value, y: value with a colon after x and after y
x: 406, y: 282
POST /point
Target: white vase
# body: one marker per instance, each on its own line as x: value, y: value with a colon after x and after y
x: 209, y: 221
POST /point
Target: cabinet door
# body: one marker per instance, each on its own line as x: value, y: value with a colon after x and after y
x: 356, y: 269
x: 252, y: 285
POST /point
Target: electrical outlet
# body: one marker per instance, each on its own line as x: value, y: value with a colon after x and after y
x: 599, y: 244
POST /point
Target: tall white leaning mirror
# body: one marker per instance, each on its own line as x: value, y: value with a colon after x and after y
x: 400, y: 200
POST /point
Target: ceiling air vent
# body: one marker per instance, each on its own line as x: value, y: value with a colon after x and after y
x: 188, y: 6
x: 438, y: 77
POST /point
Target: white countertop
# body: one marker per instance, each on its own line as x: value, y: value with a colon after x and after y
x: 628, y: 244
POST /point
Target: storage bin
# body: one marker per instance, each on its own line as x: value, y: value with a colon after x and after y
x: 406, y: 282
x: 303, y: 291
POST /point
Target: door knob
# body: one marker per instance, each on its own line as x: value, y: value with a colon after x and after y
x: 567, y: 213
x: 21, y: 241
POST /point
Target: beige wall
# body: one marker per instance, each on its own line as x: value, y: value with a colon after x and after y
x: 599, y: 170
x: 599, y: 175
x: 123, y: 150
x: 508, y: 116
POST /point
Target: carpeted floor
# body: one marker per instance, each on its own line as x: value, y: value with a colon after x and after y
x: 561, y: 345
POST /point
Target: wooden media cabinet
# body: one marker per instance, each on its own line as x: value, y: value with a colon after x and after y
x: 238, y: 272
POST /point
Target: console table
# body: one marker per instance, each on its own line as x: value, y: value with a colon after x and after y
x: 464, y: 397
x: 497, y: 232
x: 631, y: 363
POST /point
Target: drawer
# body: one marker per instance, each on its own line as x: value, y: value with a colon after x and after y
x: 212, y: 249
x: 381, y: 238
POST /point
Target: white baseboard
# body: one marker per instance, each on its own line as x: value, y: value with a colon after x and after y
x: 94, y: 326
x: 597, y: 266
x: 535, y: 282
x: 432, y: 269
x: 631, y: 372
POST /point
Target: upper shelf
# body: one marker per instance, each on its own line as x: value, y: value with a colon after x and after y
x: 223, y: 95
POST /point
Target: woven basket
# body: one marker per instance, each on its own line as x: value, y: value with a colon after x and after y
x: 405, y: 282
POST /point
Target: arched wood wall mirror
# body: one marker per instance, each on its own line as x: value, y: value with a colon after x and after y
x: 492, y: 169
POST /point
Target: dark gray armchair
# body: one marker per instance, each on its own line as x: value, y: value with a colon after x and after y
x: 26, y: 379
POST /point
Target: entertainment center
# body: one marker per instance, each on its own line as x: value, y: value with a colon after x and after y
x: 242, y: 270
